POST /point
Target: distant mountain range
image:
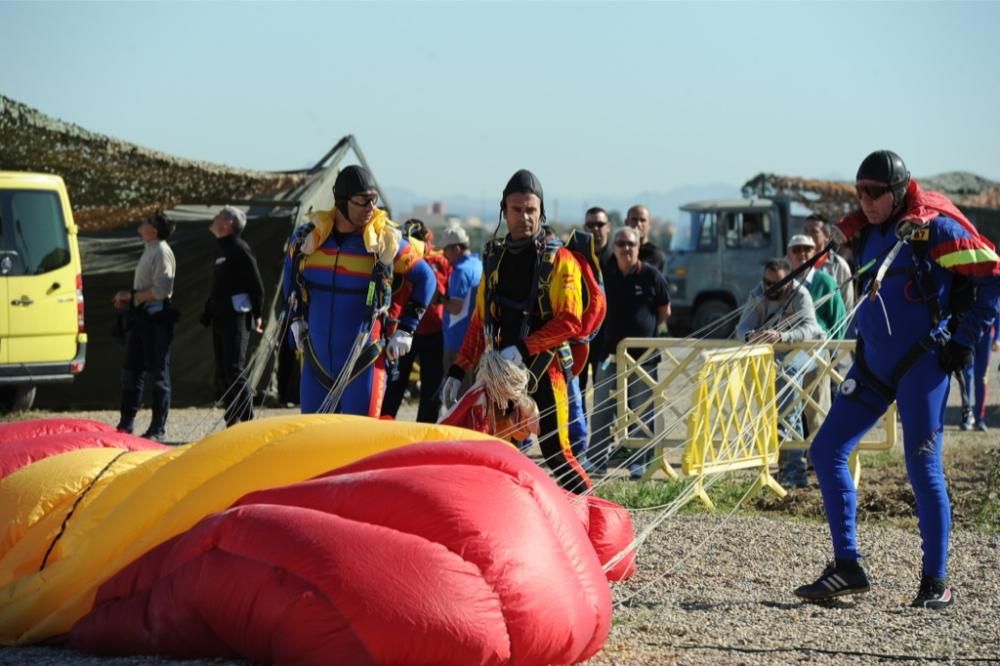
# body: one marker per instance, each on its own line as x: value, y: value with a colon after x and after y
x: 661, y: 204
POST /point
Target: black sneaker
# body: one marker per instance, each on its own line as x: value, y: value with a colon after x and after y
x: 934, y: 594
x: 837, y: 580
x: 155, y: 435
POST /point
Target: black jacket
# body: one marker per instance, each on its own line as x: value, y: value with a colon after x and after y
x: 235, y: 273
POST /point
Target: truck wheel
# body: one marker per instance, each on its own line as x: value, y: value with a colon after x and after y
x: 707, y: 314
x: 16, y: 398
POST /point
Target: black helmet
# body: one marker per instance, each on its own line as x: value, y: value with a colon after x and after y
x: 524, y: 182
x: 885, y: 166
x: 350, y: 181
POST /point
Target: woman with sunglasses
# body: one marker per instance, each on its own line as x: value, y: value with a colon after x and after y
x: 912, y: 333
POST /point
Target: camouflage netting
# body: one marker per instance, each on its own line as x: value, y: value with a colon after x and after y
x: 114, y: 183
x: 834, y: 198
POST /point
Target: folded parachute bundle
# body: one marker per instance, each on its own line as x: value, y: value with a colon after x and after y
x: 304, y: 540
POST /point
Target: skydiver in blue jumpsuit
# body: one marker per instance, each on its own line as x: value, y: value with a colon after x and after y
x: 339, y: 268
x: 905, y: 353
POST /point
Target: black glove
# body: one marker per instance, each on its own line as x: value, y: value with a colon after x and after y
x: 954, y: 357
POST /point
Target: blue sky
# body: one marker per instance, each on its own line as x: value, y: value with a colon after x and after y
x: 451, y: 98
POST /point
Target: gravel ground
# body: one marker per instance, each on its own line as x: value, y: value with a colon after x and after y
x: 716, y: 589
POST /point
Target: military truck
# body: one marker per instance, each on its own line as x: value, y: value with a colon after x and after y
x: 717, y: 254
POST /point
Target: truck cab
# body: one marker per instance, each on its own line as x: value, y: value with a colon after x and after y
x: 42, y: 335
x: 716, y: 256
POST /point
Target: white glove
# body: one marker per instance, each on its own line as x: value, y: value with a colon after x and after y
x: 449, y: 392
x: 299, y: 328
x: 399, y: 345
x: 512, y: 354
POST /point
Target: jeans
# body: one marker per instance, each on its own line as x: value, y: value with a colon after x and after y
x: 602, y: 415
x: 578, y: 435
x: 792, y: 462
x: 147, y: 351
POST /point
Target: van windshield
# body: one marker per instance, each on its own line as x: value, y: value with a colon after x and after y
x: 33, y: 237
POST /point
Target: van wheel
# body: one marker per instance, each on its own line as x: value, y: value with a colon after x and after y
x: 710, y: 312
x: 17, y: 398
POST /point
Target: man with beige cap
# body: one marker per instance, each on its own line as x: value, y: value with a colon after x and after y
x: 466, y: 272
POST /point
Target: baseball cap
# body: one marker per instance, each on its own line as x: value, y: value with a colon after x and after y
x: 454, y: 235
x: 801, y: 239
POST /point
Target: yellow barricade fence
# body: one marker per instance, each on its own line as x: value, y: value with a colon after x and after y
x: 717, y: 400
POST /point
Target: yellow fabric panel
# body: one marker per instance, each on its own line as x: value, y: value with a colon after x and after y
x: 172, y: 491
x: 43, y: 493
x: 565, y: 294
x: 355, y: 263
x: 50, y: 487
x: 374, y: 233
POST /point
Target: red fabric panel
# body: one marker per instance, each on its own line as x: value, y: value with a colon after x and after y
x: 49, y: 440
x: 610, y: 529
x: 443, y: 553
x: 39, y: 427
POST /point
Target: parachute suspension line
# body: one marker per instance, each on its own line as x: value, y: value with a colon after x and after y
x: 263, y: 354
x: 79, y: 498
x: 506, y: 386
x: 670, y: 511
x: 679, y: 562
x: 688, y: 493
x: 332, y: 400
x: 265, y: 351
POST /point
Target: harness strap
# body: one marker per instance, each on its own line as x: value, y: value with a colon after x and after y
x: 934, y: 340
x: 369, y: 354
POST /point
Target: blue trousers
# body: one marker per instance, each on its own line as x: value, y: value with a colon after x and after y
x: 578, y: 435
x: 147, y: 352
x: 921, y: 398
x: 975, y: 376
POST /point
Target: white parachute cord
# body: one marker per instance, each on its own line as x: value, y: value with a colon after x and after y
x: 265, y: 350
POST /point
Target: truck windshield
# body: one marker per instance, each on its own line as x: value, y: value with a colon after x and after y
x: 696, y: 232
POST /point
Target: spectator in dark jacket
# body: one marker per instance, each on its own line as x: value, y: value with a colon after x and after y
x: 233, y: 309
x: 638, y: 307
x: 596, y: 223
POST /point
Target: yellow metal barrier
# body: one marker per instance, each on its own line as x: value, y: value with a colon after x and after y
x: 734, y: 421
x: 724, y: 392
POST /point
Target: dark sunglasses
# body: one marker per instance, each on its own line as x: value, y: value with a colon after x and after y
x: 628, y: 244
x: 872, y: 191
x: 595, y: 225
x: 365, y: 201
x: 800, y: 249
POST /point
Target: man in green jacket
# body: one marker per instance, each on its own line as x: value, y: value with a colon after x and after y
x: 831, y: 313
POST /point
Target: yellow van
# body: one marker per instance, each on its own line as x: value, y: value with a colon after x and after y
x: 42, y: 334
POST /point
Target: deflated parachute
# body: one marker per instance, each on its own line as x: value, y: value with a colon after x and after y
x: 313, y: 540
